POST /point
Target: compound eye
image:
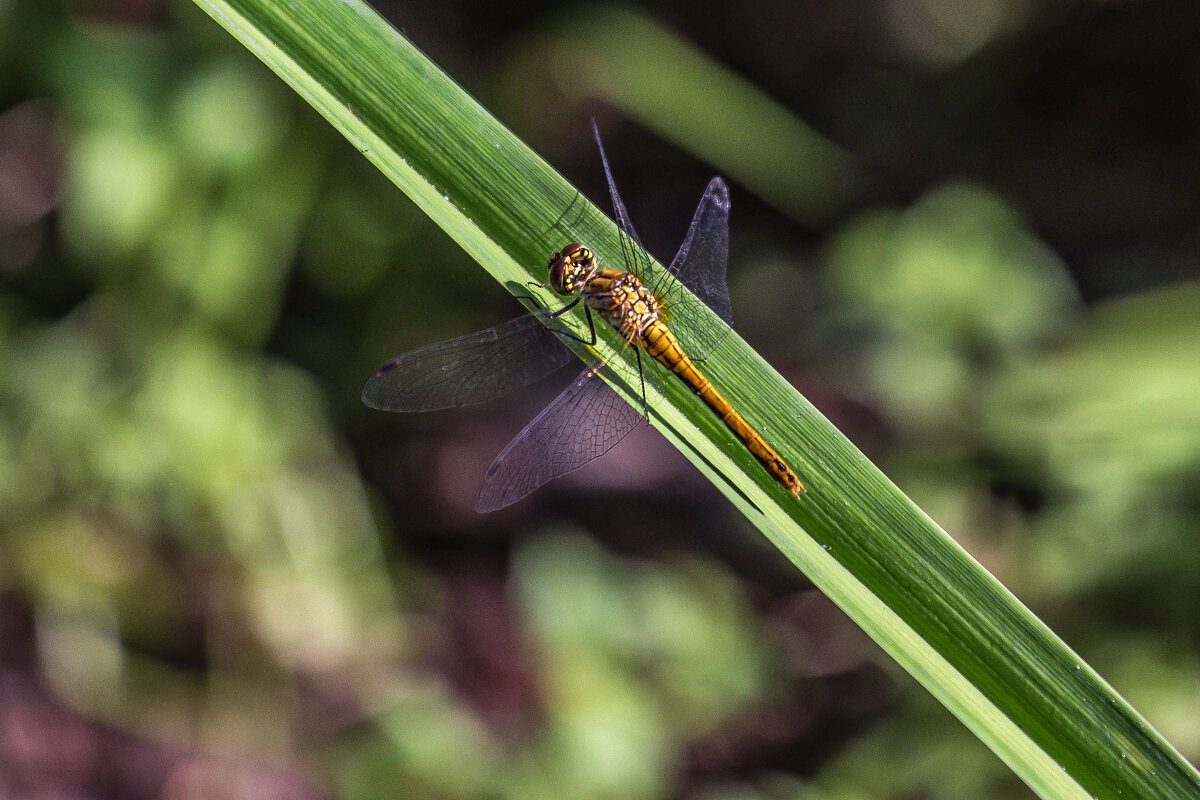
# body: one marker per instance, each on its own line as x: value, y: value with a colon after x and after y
x: 573, y: 251
x: 558, y: 274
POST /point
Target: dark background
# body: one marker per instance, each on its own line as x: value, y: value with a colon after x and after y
x: 967, y: 232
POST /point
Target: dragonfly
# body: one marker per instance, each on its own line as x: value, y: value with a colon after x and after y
x: 588, y: 418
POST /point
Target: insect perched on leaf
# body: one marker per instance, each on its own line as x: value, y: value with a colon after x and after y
x: 589, y: 417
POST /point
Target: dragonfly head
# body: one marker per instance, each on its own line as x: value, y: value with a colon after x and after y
x: 570, y: 267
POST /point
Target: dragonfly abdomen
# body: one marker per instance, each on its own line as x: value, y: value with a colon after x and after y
x: 661, y: 345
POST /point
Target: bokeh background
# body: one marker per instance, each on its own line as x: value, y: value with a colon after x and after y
x: 969, y: 232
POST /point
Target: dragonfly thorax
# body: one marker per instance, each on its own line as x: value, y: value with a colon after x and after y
x: 570, y: 268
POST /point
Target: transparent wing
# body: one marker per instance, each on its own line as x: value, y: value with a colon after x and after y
x: 702, y: 258
x: 700, y: 263
x: 470, y: 369
x: 637, y: 260
x: 582, y: 423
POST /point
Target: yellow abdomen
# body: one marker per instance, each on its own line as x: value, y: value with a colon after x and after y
x: 663, y: 347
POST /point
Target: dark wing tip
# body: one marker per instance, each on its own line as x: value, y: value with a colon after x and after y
x: 719, y: 191
x: 388, y: 367
x: 496, y: 494
x: 374, y: 393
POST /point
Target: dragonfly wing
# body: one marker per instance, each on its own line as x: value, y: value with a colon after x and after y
x: 582, y: 423
x: 637, y: 260
x: 704, y: 254
x: 470, y: 369
x: 699, y: 265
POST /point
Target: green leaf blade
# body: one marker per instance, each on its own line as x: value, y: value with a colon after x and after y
x: 948, y: 622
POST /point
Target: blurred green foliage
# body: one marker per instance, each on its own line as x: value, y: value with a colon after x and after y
x: 219, y: 552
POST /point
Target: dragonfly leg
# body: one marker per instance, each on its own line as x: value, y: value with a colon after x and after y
x: 531, y: 298
x: 637, y: 352
x: 590, y: 342
x: 567, y: 308
x: 534, y: 285
x: 642, y: 376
